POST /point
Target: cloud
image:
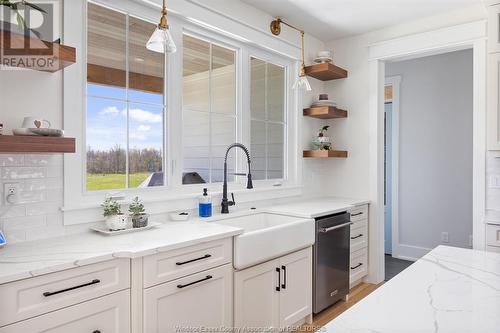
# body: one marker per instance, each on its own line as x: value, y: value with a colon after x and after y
x: 144, y: 116
x: 144, y: 128
x: 138, y: 115
x: 138, y: 136
x: 113, y: 110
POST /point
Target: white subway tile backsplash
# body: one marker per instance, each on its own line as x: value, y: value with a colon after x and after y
x: 11, y: 160
x: 19, y: 173
x: 23, y: 223
x: 37, y: 213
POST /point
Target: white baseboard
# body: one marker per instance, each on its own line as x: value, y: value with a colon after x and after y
x: 410, y: 252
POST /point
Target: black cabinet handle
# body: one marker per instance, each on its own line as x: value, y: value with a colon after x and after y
x: 360, y: 235
x: 96, y: 331
x: 193, y: 260
x: 358, y: 265
x: 47, y: 294
x: 283, y: 286
x: 357, y: 214
x: 180, y: 286
x: 279, y: 279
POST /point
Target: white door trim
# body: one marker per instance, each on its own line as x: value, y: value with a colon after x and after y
x: 395, y: 82
x: 464, y: 36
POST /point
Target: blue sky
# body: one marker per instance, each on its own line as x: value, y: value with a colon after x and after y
x: 106, y: 118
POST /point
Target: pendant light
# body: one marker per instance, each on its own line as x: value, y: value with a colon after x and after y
x: 161, y: 40
x: 301, y: 83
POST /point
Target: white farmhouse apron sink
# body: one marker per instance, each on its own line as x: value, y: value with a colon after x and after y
x: 267, y: 236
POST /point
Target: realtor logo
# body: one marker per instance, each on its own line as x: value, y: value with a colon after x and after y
x: 27, y: 35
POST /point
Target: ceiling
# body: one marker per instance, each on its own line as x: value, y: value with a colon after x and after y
x: 333, y: 19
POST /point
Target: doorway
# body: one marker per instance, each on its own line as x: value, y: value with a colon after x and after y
x: 428, y: 155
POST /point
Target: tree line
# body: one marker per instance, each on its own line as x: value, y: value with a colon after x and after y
x: 113, y: 161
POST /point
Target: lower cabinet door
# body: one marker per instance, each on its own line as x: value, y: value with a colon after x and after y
x: 195, y: 302
x: 256, y: 296
x: 108, y: 314
x: 296, y: 287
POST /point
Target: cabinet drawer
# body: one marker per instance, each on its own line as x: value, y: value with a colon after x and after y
x: 202, y: 300
x: 359, y: 213
x: 493, y: 249
x: 108, y: 314
x: 171, y: 265
x: 32, y: 297
x: 359, y: 265
x: 359, y: 236
x: 493, y: 235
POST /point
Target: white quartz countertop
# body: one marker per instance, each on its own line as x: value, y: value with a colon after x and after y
x: 317, y: 207
x: 450, y: 290
x: 25, y: 260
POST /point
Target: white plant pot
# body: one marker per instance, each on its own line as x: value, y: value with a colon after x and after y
x: 117, y: 222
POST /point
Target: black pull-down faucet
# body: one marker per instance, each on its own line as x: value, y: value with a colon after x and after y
x: 225, y: 202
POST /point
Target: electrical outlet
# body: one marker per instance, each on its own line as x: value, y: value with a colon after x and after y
x: 494, y: 181
x: 445, y: 237
x: 10, y: 193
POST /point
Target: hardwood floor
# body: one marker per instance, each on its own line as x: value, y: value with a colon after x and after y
x: 355, y: 295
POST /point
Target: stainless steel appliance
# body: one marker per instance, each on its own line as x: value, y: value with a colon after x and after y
x: 331, y: 260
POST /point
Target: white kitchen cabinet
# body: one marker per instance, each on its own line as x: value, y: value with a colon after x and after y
x: 277, y: 293
x: 108, y: 314
x: 296, y: 287
x: 494, y: 28
x: 201, y: 300
x: 359, y: 245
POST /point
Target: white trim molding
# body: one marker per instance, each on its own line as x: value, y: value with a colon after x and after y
x: 465, y: 36
x: 395, y: 83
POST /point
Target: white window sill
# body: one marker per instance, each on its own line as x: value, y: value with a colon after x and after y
x: 169, y: 202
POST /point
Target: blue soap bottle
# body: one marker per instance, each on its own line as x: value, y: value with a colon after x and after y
x: 205, y: 205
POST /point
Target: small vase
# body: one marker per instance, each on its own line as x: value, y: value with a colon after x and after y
x: 116, y: 222
x: 140, y: 221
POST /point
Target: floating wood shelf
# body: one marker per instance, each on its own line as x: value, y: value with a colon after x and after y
x: 326, y: 72
x: 325, y: 112
x: 36, y: 144
x: 33, y: 53
x: 325, y: 153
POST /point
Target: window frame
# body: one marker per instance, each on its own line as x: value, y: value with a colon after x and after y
x: 75, y: 195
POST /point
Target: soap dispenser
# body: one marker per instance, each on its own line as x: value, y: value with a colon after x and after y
x: 205, y: 204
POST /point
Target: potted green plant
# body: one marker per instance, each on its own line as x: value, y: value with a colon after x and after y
x: 138, y: 214
x: 322, y: 142
x: 115, y: 219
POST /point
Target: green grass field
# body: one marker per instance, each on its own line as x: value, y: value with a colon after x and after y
x: 114, y: 181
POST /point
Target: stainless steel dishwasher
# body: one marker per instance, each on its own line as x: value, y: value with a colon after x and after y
x: 331, y: 260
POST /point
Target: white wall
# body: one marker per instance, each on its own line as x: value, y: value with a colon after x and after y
x: 25, y: 93
x: 435, y: 164
x: 350, y: 177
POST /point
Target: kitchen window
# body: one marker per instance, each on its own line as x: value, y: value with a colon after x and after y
x: 208, y: 110
x: 164, y: 137
x: 268, y: 119
x: 125, y: 104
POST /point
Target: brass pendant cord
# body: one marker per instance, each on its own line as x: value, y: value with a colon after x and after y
x: 276, y: 30
x: 163, y: 21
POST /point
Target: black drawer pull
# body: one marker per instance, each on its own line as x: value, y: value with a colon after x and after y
x: 193, y: 260
x: 360, y: 235
x: 283, y: 286
x: 279, y: 279
x: 358, y: 265
x: 47, y: 294
x: 96, y: 331
x: 180, y: 286
x: 357, y: 214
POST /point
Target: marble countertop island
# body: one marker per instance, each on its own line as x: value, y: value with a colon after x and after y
x: 449, y: 290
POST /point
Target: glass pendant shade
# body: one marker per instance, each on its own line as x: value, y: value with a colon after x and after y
x: 302, y: 83
x: 161, y: 41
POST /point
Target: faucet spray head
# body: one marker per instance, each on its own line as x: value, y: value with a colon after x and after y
x: 249, y: 181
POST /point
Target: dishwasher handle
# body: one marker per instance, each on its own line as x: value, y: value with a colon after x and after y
x: 325, y: 230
